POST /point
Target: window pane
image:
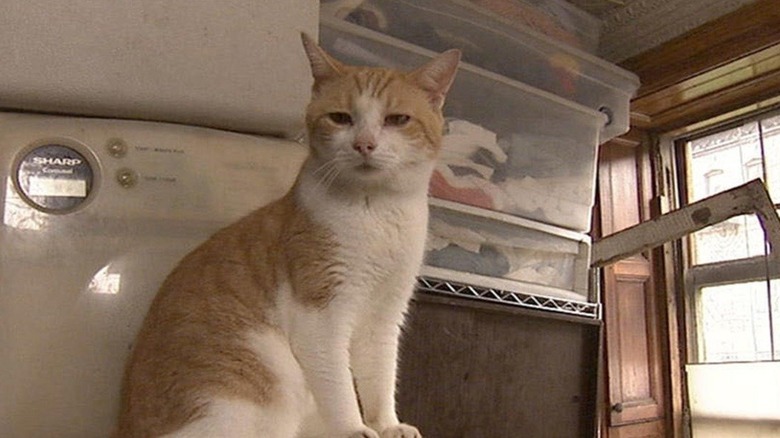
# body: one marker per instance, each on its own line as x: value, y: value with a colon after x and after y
x: 771, y: 131
x: 719, y: 162
x: 734, y: 322
x: 736, y: 238
x: 723, y: 160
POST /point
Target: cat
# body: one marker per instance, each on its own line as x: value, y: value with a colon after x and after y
x: 286, y: 323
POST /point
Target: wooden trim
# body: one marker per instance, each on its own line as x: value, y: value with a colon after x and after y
x: 725, y: 66
x: 747, y: 30
x: 747, y: 68
x: 721, y: 66
x: 730, y: 98
x: 634, y: 268
x: 632, y: 138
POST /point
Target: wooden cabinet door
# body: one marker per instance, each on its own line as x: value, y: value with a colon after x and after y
x: 634, y: 387
x: 631, y: 343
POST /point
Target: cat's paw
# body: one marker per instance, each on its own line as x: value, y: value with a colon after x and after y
x: 401, y: 431
x: 365, y: 433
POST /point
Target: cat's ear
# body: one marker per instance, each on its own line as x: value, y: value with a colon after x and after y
x: 437, y: 76
x: 323, y: 66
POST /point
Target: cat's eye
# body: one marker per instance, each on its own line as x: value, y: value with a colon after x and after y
x: 397, y: 120
x: 340, y: 118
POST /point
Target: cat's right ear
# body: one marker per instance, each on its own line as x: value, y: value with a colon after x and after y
x: 437, y: 75
x: 323, y: 66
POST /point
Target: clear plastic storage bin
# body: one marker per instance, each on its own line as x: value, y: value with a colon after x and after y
x: 516, y: 255
x: 495, y: 43
x: 557, y: 19
x: 508, y: 147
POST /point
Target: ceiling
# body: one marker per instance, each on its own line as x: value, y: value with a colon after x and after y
x: 598, y: 8
x: 631, y: 27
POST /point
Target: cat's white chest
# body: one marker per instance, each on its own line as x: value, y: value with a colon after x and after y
x: 375, y: 237
x: 383, y: 232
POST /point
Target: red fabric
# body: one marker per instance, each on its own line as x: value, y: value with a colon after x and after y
x: 441, y: 188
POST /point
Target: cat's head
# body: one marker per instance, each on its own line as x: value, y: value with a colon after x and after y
x: 376, y: 127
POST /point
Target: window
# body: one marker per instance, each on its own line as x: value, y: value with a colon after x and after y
x: 713, y: 181
x: 734, y: 322
x: 736, y: 294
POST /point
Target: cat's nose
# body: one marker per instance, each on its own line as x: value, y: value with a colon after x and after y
x: 364, y: 147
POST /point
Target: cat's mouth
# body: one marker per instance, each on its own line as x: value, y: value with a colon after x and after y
x: 367, y: 167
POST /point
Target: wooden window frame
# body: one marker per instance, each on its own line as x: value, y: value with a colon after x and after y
x: 721, y: 70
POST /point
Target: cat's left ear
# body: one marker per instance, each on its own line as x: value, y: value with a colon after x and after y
x: 323, y: 66
x: 437, y: 75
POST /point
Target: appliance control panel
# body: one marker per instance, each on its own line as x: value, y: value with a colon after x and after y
x: 55, y: 177
x: 131, y: 171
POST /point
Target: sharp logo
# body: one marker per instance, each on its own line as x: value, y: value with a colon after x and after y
x: 49, y: 161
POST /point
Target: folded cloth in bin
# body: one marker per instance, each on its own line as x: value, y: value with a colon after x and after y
x: 464, y: 172
x: 457, y: 243
x: 463, y: 141
x: 488, y: 261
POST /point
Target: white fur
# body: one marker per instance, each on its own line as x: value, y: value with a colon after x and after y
x: 359, y: 330
x: 379, y: 221
x: 238, y: 419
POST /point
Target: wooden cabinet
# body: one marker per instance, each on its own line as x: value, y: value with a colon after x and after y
x: 633, y: 364
x: 634, y: 393
x: 476, y: 370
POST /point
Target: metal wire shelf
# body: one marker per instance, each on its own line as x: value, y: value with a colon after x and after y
x: 451, y: 288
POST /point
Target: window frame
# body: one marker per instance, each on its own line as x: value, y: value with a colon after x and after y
x: 695, y: 277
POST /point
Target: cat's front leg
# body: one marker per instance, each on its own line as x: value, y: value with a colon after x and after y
x: 320, y: 342
x: 374, y: 354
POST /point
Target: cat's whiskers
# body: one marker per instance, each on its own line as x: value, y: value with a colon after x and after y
x: 329, y: 171
x: 326, y: 166
x: 329, y: 177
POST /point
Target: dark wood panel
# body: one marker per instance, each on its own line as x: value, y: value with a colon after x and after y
x: 618, y: 194
x: 634, y: 391
x: 481, y: 371
x: 633, y: 367
x: 650, y: 429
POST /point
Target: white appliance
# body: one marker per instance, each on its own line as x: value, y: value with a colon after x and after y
x: 95, y: 213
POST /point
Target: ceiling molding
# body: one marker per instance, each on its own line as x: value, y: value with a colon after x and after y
x: 721, y: 66
x: 643, y: 24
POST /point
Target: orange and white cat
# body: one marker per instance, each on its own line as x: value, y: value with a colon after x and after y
x: 286, y: 323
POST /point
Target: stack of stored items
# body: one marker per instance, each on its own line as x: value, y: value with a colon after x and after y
x: 513, y: 192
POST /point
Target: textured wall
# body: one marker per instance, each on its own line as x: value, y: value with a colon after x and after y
x: 643, y: 24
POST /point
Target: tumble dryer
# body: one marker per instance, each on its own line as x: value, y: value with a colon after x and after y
x: 168, y: 125
x: 95, y: 213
